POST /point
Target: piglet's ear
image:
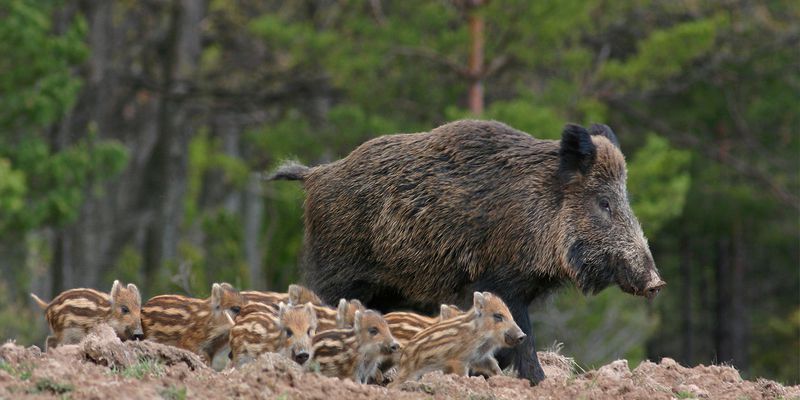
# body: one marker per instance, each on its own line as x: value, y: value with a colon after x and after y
x: 135, y: 290
x: 604, y: 131
x: 577, y: 151
x: 341, y: 313
x: 282, y: 309
x: 357, y: 320
x: 309, y: 308
x: 216, y: 295
x: 478, y: 301
x: 356, y: 304
x: 294, y: 294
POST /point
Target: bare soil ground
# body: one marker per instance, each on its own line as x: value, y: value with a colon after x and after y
x: 102, y: 367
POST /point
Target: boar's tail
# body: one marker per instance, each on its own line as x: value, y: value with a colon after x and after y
x: 39, y: 301
x: 290, y: 171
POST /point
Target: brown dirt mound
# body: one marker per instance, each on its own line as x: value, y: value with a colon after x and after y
x: 102, y: 346
x: 103, y: 367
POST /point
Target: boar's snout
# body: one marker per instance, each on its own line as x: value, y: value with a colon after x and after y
x: 652, y: 289
x: 653, y: 285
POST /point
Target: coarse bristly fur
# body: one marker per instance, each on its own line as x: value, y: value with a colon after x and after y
x: 453, y: 345
x: 416, y: 220
x: 355, y: 353
x: 200, y: 326
x: 288, y: 333
x: 73, y: 313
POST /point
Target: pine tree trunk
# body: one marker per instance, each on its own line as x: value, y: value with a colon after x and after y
x: 476, y: 27
x: 687, y: 320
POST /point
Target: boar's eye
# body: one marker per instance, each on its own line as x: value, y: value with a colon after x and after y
x: 498, y: 317
x: 310, y: 332
x: 125, y: 310
x: 373, y: 331
x: 289, y: 332
x: 236, y: 309
x: 604, y: 205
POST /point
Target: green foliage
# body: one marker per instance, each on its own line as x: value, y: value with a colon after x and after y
x: 36, y: 73
x: 684, y: 395
x: 659, y: 178
x: 17, y: 320
x: 21, y: 371
x: 12, y: 192
x: 665, y: 53
x: 541, y: 121
x: 174, y: 393
x: 145, y: 367
x: 783, y: 330
x: 36, y: 65
x: 55, y: 182
x: 51, y: 386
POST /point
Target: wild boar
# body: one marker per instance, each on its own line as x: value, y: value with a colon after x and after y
x: 416, y: 220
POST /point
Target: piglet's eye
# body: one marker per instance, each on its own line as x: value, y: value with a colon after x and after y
x: 373, y: 331
x: 125, y: 310
x: 498, y: 317
x: 289, y: 332
x: 236, y: 309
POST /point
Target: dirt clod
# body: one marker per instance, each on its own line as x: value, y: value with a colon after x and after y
x: 102, y: 346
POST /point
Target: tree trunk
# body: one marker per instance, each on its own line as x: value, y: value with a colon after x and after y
x: 722, y: 304
x: 731, y: 322
x: 476, y: 25
x: 166, y: 172
x: 253, y: 215
x: 687, y: 320
x: 738, y: 324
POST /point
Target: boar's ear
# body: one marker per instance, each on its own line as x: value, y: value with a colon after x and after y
x: 135, y: 290
x: 478, y: 301
x: 577, y: 151
x: 216, y: 295
x: 605, y: 131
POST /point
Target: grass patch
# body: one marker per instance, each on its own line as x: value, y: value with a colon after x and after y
x: 51, y: 386
x: 22, y: 372
x: 145, y: 367
x: 174, y: 393
x: 313, y: 366
x: 682, y: 394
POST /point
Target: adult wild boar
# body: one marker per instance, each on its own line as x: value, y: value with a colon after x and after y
x: 416, y: 220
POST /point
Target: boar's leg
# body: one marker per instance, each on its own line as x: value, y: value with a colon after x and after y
x: 523, y: 355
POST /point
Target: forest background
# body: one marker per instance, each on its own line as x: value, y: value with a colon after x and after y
x: 134, y: 135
